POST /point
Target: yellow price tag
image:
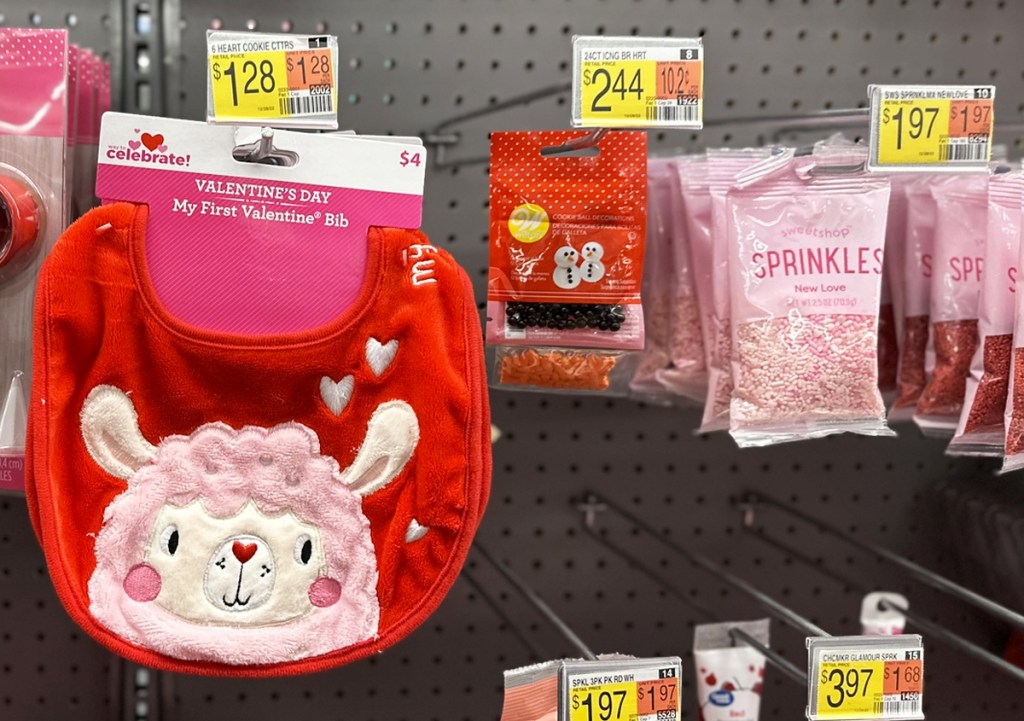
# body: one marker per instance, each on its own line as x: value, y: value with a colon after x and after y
x: 851, y: 689
x: 283, y: 80
x: 637, y: 82
x: 931, y: 127
x: 607, y: 702
x: 249, y: 85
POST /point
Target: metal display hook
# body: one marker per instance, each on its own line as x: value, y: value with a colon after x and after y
x: 785, y: 614
x: 752, y: 499
x: 536, y: 650
x: 934, y: 630
x: 263, y: 151
x: 537, y: 602
x: 738, y: 635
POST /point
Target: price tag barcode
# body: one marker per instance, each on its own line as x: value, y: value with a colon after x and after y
x: 638, y: 82
x: 280, y: 80
x: 621, y: 690
x: 866, y: 677
x: 934, y: 128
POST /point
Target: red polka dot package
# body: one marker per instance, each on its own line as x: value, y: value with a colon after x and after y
x: 566, y: 260
x: 981, y: 430
x: 806, y: 249
x: 916, y: 359
x: 961, y: 228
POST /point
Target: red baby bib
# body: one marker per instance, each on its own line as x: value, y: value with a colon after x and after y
x: 253, y: 506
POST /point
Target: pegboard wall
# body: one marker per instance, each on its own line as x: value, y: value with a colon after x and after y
x: 406, y: 66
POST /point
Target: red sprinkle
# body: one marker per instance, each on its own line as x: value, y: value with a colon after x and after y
x: 990, y: 398
x: 955, y: 343
x: 1015, y: 433
x: 912, y: 376
x: 888, y: 350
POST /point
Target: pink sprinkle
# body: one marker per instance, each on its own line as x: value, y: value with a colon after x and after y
x: 816, y: 368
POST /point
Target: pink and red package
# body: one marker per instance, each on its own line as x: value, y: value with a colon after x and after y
x: 961, y: 229
x: 981, y: 430
x: 807, y: 238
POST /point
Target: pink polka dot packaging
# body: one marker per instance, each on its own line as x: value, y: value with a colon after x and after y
x: 567, y: 240
x: 730, y: 676
x: 961, y: 228
x: 981, y: 430
x: 806, y: 249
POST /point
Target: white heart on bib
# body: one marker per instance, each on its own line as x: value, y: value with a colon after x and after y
x: 379, y: 355
x: 415, y: 531
x: 336, y: 394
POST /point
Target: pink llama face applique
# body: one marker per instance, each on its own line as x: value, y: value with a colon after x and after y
x: 251, y: 532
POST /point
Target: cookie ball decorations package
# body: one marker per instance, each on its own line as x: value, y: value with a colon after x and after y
x: 806, y: 238
x: 981, y: 431
x: 567, y: 234
x: 961, y: 227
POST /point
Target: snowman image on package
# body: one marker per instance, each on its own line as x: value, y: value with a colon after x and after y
x: 592, y: 268
x: 566, y: 274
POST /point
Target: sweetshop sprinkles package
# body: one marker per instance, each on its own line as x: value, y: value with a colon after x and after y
x: 961, y: 227
x: 704, y: 189
x: 981, y: 430
x: 806, y: 240
x: 688, y: 374
x: 566, y: 260
x: 916, y: 359
x: 890, y: 311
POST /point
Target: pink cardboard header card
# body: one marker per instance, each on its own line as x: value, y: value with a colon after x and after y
x: 242, y: 247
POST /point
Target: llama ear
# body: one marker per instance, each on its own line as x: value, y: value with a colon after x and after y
x: 390, y: 441
x: 110, y: 427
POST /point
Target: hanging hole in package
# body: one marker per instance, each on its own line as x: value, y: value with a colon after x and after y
x: 566, y: 260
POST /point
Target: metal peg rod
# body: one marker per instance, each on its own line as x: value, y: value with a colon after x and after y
x: 643, y: 568
x: 783, y: 613
x: 934, y: 630
x: 536, y: 650
x: 737, y: 634
x: 537, y: 602
x: 788, y: 669
x: 919, y: 572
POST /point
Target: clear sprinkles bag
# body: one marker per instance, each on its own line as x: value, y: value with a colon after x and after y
x: 981, y: 430
x: 704, y: 193
x: 806, y: 239
x: 961, y: 227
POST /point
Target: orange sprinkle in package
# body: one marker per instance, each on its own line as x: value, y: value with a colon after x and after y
x: 566, y: 260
